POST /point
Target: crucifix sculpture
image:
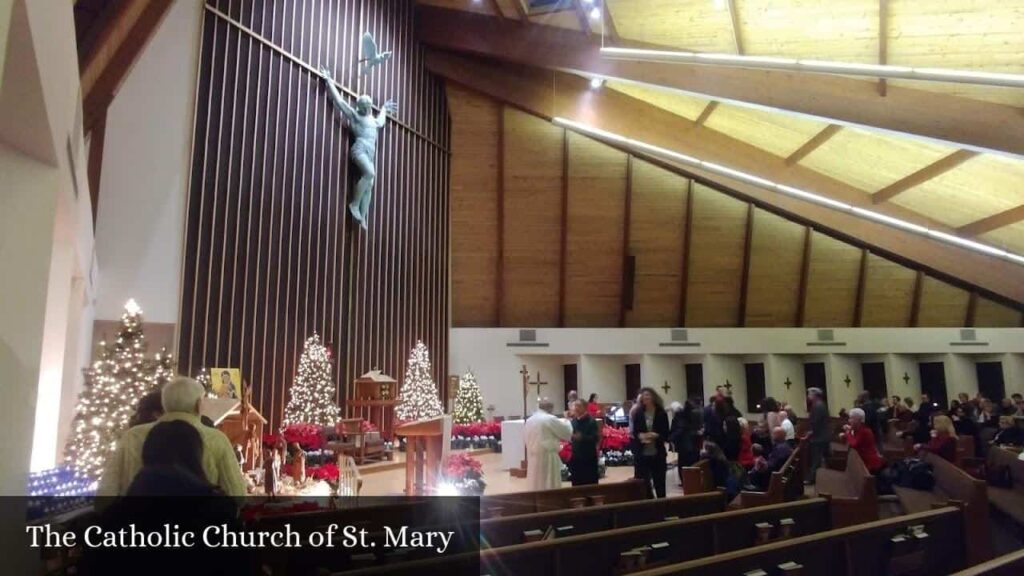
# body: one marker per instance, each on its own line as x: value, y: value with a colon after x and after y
x: 666, y: 387
x: 538, y: 384
x: 787, y: 383
x: 847, y: 380
x: 526, y: 387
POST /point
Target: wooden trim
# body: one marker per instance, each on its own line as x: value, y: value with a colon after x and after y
x: 95, y: 167
x: 497, y: 9
x: 850, y: 100
x: 626, y: 215
x: 524, y: 15
x: 805, y: 272
x: 745, y: 278
x: 972, y: 310
x: 915, y: 306
x: 706, y: 113
x: 862, y: 282
x: 923, y: 175
x: 564, y: 239
x: 737, y: 34
x: 811, y: 145
x: 499, y: 274
x: 993, y: 222
x: 608, y: 23
x: 581, y: 16
x: 684, y: 276
x: 883, y: 42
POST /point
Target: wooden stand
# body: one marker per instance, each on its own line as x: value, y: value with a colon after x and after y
x: 240, y: 422
x: 424, y: 448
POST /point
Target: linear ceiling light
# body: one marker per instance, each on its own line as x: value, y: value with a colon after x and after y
x: 788, y: 190
x: 819, y: 66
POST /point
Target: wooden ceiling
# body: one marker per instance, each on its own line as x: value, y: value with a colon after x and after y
x: 978, y: 195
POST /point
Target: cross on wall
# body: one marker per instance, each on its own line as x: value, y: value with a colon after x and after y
x: 666, y: 387
x: 787, y: 383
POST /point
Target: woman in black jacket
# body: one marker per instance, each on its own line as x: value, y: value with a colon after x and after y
x: 650, y: 432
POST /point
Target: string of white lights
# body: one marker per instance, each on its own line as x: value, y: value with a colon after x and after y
x: 819, y: 66
x: 788, y: 190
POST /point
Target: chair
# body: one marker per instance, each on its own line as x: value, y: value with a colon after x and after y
x: 362, y: 446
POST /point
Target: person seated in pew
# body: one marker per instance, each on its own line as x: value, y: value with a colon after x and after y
x: 585, y: 438
x: 781, y: 450
x: 722, y: 472
x: 745, y: 457
x: 860, y: 437
x: 1009, y: 434
x: 988, y: 416
x: 904, y: 412
x: 962, y: 422
x: 943, y: 439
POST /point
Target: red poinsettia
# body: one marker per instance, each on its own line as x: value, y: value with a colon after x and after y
x: 308, y: 436
x: 477, y: 429
x: 614, y: 438
x: 270, y: 440
x: 461, y: 465
x: 367, y: 426
x: 565, y: 453
x: 328, y: 472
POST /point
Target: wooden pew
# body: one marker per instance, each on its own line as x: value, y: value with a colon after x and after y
x: 954, y: 485
x: 561, y: 498
x: 697, y: 479
x: 785, y: 485
x: 1008, y: 565
x: 853, y: 491
x: 506, y: 531
x: 600, y: 554
x: 862, y: 550
x: 1007, y: 501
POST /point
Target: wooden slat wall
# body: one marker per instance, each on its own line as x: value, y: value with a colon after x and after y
x: 474, y: 198
x: 776, y: 256
x: 271, y: 254
x: 994, y: 314
x: 716, y: 258
x: 533, y: 220
x: 888, y: 293
x: 595, y: 225
x: 656, y: 235
x: 514, y: 173
x: 942, y: 304
x: 832, y: 284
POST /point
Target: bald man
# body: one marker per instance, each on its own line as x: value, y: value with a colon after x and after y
x: 544, y: 433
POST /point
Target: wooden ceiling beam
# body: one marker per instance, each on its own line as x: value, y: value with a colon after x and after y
x: 737, y: 34
x: 883, y: 41
x: 110, y: 52
x: 581, y: 15
x: 706, y: 113
x: 496, y: 7
x: 923, y: 175
x: 811, y: 145
x: 551, y: 94
x: 993, y: 222
x: 610, y: 31
x: 847, y: 100
x: 524, y: 15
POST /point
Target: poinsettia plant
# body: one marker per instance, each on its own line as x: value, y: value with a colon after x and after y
x: 465, y: 473
x: 614, y: 438
x: 477, y: 429
x: 308, y: 436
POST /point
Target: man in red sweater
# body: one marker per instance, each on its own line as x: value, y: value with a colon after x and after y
x: 860, y: 438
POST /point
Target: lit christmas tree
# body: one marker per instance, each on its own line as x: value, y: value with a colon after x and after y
x: 418, y: 398
x: 312, y: 393
x: 113, y: 386
x: 469, y: 404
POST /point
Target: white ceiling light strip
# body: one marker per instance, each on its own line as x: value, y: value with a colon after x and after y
x: 789, y: 190
x: 819, y: 66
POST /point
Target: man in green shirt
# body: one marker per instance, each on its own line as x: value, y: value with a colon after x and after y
x: 585, y: 439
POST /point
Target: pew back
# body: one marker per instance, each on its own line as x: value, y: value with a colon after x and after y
x: 853, y: 491
x: 561, y: 498
x: 1008, y: 565
x: 863, y: 550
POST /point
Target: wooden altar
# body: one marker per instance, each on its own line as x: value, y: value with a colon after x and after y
x: 240, y: 422
x: 425, y: 447
x: 373, y: 400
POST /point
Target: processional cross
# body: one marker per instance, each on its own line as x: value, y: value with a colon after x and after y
x: 526, y: 386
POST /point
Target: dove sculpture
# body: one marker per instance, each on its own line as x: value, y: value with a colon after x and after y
x: 371, y: 56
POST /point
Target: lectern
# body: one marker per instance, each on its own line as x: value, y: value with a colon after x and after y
x: 426, y: 444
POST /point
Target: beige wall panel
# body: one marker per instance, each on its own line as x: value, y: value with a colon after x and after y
x: 533, y: 220
x: 656, y: 234
x: 595, y: 223
x: 776, y: 259
x: 888, y: 293
x: 474, y: 207
x: 942, y: 304
x: 993, y: 314
x: 832, y: 282
x: 716, y: 258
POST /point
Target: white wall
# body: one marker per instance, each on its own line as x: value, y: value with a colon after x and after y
x: 722, y: 353
x: 144, y: 179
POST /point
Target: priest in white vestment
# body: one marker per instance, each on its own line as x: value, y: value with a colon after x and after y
x: 544, y: 432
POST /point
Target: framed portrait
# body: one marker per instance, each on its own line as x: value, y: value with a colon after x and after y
x: 226, y: 382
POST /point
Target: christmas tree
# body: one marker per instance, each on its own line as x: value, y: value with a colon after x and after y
x: 113, y: 386
x: 418, y: 397
x: 469, y: 404
x: 313, y: 391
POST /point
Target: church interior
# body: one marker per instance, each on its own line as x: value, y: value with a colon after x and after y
x: 650, y: 287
